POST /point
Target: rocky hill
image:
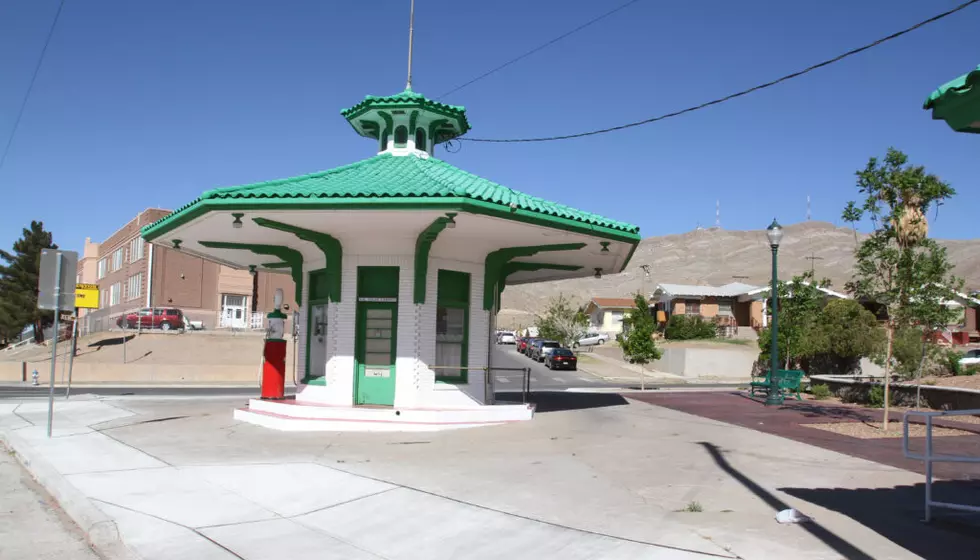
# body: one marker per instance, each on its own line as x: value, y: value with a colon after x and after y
x: 718, y: 256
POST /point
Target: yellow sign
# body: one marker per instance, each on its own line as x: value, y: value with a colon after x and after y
x: 87, y: 296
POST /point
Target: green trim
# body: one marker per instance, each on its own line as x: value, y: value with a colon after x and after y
x: 328, y: 244
x: 434, y: 128
x: 291, y: 256
x: 423, y: 244
x: 494, y: 265
x: 958, y: 102
x: 375, y: 281
x: 412, y: 119
x: 276, y: 314
x: 275, y: 265
x: 453, y: 292
x: 389, y: 128
x: 459, y: 204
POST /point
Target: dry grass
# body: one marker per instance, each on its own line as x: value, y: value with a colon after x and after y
x: 860, y: 430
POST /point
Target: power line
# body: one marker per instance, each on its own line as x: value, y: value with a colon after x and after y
x: 538, y: 48
x: 30, y: 86
x: 734, y: 95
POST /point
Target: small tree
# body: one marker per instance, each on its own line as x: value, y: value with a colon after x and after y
x: 843, y: 333
x: 18, y: 282
x: 562, y: 322
x: 898, y: 266
x: 800, y: 302
x: 638, y: 344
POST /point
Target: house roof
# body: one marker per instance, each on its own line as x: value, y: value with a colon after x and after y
x: 406, y: 100
x: 401, y: 181
x: 613, y: 302
x: 827, y: 291
x: 686, y: 290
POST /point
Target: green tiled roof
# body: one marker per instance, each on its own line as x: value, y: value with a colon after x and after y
x: 409, y: 99
x: 395, y: 179
x: 956, y: 87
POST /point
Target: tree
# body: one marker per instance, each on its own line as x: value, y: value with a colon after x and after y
x: 638, y: 344
x: 852, y: 215
x: 562, y: 323
x: 843, y: 333
x: 800, y: 302
x: 898, y: 265
x: 18, y: 283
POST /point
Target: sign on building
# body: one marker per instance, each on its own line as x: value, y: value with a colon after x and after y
x: 87, y: 296
x: 58, y: 268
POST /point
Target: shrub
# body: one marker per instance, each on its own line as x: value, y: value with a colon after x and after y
x: 876, y: 397
x: 951, y: 362
x: 971, y: 369
x: 689, y: 327
x: 820, y: 392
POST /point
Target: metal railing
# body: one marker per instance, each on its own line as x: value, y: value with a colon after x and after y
x: 929, y: 457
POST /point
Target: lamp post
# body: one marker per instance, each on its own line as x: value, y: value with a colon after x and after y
x: 775, y: 234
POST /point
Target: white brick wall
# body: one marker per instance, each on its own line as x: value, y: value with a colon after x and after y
x: 414, y: 382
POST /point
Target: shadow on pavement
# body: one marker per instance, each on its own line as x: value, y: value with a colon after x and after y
x: 115, y: 341
x: 554, y: 401
x: 897, y: 513
x: 844, y: 548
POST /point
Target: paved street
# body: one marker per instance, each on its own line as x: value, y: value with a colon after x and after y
x: 506, y: 356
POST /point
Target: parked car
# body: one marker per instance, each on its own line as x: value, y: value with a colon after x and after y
x: 541, y: 349
x: 524, y: 344
x: 506, y: 337
x: 593, y: 339
x: 561, y: 358
x: 163, y: 318
x: 971, y: 358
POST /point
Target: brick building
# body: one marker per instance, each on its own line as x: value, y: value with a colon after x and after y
x: 132, y: 274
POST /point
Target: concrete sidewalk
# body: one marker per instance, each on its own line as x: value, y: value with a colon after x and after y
x: 593, y: 477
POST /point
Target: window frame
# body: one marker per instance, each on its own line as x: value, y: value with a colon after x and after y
x: 445, y: 299
x: 137, y: 249
x: 118, y: 256
x: 137, y: 281
x: 102, y: 267
x: 115, y: 294
x: 692, y: 307
x: 401, y: 131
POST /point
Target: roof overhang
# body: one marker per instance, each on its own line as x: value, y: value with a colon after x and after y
x: 958, y: 103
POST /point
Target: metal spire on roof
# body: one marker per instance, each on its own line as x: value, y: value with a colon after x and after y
x: 411, y: 41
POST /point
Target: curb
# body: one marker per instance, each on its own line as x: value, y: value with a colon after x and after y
x: 100, y: 530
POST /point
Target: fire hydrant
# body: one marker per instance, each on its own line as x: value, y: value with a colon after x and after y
x: 34, y: 379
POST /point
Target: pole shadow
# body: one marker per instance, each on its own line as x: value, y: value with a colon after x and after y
x: 841, y: 546
x: 115, y: 341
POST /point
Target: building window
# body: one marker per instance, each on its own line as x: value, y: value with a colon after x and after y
x: 420, y: 138
x: 401, y: 136
x: 115, y: 294
x: 117, y: 260
x: 692, y: 307
x: 102, y: 268
x: 136, y: 249
x: 452, y: 326
x: 103, y: 298
x: 134, y: 287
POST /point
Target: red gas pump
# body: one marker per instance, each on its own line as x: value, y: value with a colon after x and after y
x: 274, y: 366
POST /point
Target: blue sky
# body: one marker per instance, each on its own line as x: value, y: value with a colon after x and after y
x: 149, y: 103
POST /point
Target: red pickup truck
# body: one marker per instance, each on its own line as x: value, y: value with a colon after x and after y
x: 163, y: 318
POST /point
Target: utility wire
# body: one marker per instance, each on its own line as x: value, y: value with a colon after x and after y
x: 538, y: 48
x: 30, y: 87
x: 734, y: 95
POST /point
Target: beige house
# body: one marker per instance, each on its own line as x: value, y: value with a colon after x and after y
x: 726, y: 304
x: 606, y: 314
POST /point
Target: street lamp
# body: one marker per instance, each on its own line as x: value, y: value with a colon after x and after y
x: 775, y: 234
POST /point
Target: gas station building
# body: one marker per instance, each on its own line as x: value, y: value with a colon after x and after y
x: 399, y: 262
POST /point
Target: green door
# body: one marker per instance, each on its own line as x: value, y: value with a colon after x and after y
x: 375, y: 353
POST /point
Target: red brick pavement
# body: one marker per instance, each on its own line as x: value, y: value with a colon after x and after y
x: 788, y: 421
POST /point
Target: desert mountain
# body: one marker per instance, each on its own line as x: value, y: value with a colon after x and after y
x: 718, y: 256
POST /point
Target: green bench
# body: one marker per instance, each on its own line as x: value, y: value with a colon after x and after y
x: 788, y: 381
